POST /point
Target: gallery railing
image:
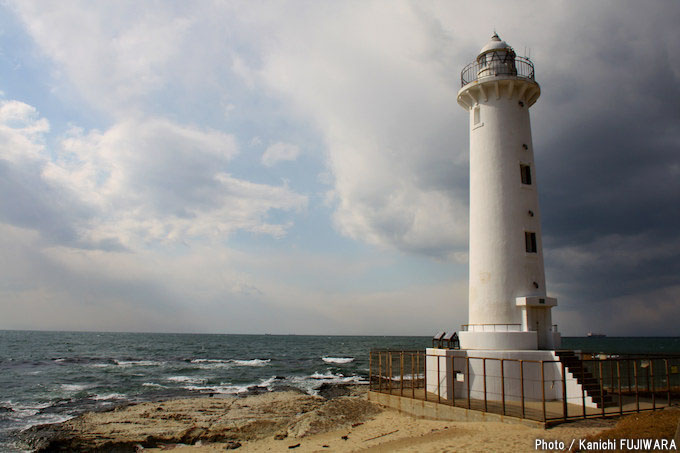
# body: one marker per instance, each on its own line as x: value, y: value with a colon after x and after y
x: 518, y: 67
x: 498, y: 328
x: 548, y: 391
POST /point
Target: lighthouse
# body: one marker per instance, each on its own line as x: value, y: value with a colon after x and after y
x: 509, y: 350
x: 509, y: 308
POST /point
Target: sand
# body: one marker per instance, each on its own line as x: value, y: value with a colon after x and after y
x: 283, y: 421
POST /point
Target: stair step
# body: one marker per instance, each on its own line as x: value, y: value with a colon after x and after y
x: 586, y: 380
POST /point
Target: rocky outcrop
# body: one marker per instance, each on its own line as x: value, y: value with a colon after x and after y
x: 187, y: 421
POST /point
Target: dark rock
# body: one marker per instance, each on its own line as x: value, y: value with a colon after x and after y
x: 330, y: 391
x: 294, y: 446
x: 233, y: 445
x: 4, y: 410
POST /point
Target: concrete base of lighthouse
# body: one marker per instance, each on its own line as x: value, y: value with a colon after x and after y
x: 502, y: 375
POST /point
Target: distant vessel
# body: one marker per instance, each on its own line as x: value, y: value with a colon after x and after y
x: 596, y: 335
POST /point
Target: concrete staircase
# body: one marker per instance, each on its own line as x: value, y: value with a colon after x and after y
x: 590, y: 383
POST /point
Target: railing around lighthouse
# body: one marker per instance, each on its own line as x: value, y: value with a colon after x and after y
x: 577, y: 386
x: 522, y: 67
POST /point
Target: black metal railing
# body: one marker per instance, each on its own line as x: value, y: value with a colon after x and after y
x: 519, y: 67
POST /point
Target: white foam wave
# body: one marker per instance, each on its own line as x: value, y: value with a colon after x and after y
x: 253, y: 362
x: 43, y: 419
x: 154, y: 385
x: 74, y: 387
x: 109, y: 396
x: 186, y: 379
x: 339, y: 360
x: 228, y: 363
x: 128, y: 363
x: 25, y: 410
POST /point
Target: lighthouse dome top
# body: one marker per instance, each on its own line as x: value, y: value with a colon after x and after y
x: 497, y: 60
x: 495, y: 44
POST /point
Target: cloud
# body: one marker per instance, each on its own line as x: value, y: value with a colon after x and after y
x: 113, y: 56
x: 142, y: 180
x: 383, y: 107
x: 279, y: 152
x: 156, y: 180
x: 375, y: 86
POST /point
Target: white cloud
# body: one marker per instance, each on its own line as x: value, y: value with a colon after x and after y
x: 112, y: 55
x: 153, y: 179
x: 21, y: 131
x: 380, y: 100
x: 279, y: 152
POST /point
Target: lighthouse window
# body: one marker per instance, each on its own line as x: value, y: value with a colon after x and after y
x: 530, y: 242
x: 525, y: 171
x: 476, y: 115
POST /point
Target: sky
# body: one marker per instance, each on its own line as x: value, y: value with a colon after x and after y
x: 302, y: 166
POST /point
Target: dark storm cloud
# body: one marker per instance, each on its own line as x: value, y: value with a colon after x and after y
x: 608, y: 157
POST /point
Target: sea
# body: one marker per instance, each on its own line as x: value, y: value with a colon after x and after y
x: 50, y: 377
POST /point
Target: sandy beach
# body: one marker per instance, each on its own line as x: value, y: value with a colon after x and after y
x: 291, y: 420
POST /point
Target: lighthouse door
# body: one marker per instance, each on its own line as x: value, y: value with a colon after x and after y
x: 541, y: 322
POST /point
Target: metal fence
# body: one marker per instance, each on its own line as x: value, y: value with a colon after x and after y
x: 576, y: 386
x: 517, y: 66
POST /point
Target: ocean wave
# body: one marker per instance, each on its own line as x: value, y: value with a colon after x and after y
x: 128, y: 363
x: 154, y: 385
x: 186, y: 379
x: 75, y: 387
x: 228, y: 363
x: 339, y: 360
x: 109, y: 396
x: 253, y: 362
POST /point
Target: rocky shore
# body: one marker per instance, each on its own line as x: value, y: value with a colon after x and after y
x: 339, y: 418
x: 233, y: 421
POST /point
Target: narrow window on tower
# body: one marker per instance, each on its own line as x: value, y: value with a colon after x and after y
x: 525, y: 171
x: 530, y: 242
x: 476, y: 115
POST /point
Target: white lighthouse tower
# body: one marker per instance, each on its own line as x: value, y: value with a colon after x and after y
x: 508, y: 304
x: 508, y: 349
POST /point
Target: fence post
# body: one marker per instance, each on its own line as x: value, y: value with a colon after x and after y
x: 651, y: 369
x: 467, y: 379
x: 601, y: 386
x: 425, y: 373
x: 379, y: 371
x: 503, y: 386
x: 637, y: 388
x: 565, y: 411
x: 389, y: 368
x: 583, y: 387
x: 413, y: 379
x: 543, y: 388
x: 486, y: 409
x: 370, y: 369
x: 668, y: 381
x: 401, y: 373
x: 618, y: 372
x: 521, y: 380
x: 439, y: 380
x: 453, y: 382
x: 630, y: 387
